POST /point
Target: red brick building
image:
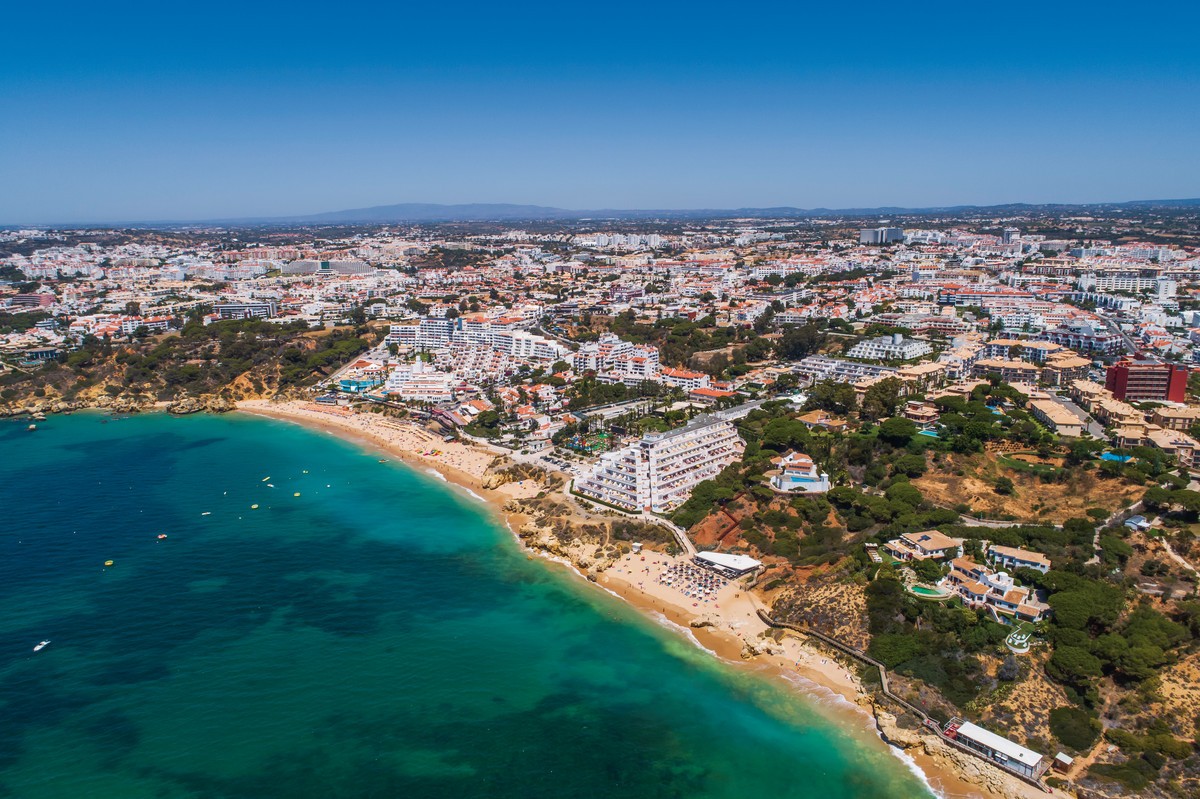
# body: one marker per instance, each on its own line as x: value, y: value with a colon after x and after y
x: 1147, y: 380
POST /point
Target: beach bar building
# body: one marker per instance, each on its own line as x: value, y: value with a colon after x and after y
x: 997, y: 748
x: 727, y: 564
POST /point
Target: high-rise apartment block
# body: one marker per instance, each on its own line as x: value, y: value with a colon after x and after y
x: 880, y: 235
x: 659, y: 472
x: 1147, y: 380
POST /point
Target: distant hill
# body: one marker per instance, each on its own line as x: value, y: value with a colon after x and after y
x: 429, y: 212
x: 511, y: 212
x: 480, y: 212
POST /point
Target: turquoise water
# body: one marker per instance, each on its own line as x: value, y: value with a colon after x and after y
x: 377, y: 636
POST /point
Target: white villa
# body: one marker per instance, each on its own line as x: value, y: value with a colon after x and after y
x: 926, y: 545
x: 798, y: 473
x: 980, y: 587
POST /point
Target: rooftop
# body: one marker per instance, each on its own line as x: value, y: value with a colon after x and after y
x: 1000, y: 744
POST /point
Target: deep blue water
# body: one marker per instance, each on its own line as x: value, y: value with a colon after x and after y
x: 377, y: 636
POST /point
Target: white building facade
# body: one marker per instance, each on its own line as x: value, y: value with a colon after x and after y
x: 659, y: 472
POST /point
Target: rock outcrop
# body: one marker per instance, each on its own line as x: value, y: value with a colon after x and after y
x: 209, y: 403
x: 586, y: 554
x: 972, y: 769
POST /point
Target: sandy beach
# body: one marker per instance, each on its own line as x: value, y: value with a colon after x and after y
x: 462, y: 463
x: 722, y: 617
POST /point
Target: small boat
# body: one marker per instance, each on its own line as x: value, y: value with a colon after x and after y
x: 296, y: 494
x: 108, y: 563
x: 40, y: 646
x: 161, y: 536
x: 253, y: 507
x: 270, y: 485
x: 265, y: 479
x: 383, y: 460
x: 32, y: 427
x: 206, y: 513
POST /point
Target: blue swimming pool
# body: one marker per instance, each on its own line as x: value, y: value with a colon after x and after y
x: 1109, y: 456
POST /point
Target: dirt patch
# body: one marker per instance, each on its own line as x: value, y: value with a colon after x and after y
x: 835, y: 608
x: 1024, y: 710
x: 1031, y: 458
x: 1180, y: 692
x: 1032, y: 499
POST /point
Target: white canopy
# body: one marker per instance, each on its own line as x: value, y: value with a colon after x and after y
x: 740, y: 563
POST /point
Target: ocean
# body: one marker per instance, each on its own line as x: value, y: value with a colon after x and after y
x: 378, y: 635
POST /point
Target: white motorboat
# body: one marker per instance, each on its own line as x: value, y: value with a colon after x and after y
x: 40, y: 646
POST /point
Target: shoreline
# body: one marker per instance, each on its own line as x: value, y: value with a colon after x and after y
x: 730, y: 634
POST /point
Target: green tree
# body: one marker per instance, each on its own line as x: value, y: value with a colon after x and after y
x: 799, y: 342
x: 882, y: 399
x: 832, y: 396
x: 1073, y: 664
x: 1074, y: 727
x: 906, y: 493
x: 897, y: 431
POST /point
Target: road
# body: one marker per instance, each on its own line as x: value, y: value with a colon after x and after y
x: 1175, y: 556
x: 1130, y: 344
x: 1090, y: 424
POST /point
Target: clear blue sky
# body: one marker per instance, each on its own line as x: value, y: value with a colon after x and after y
x: 138, y: 111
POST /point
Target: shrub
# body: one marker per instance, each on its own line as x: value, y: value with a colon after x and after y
x: 1076, y: 728
x: 1134, y: 774
x: 892, y: 649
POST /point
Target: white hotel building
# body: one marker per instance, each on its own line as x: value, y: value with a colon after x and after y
x: 659, y: 472
x: 890, y: 348
x: 419, y: 381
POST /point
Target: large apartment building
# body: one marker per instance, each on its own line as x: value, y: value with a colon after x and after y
x: 421, y: 382
x: 1146, y: 380
x: 659, y: 472
x: 888, y: 348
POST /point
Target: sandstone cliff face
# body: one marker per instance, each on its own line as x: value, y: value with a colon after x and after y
x: 763, y: 646
x: 117, y: 404
x: 209, y: 403
x: 586, y: 554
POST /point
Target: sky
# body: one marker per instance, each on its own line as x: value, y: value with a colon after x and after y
x: 190, y: 111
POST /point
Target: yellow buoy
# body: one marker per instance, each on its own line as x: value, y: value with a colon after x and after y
x: 253, y: 507
x: 108, y: 563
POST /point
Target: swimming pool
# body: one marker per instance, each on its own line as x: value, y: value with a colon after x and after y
x: 1109, y: 456
x: 929, y: 433
x: 933, y: 593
